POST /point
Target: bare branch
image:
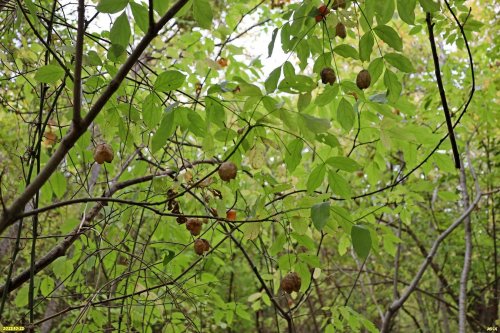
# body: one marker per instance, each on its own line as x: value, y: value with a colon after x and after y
x: 77, y: 87
x: 397, y: 304
x: 454, y: 148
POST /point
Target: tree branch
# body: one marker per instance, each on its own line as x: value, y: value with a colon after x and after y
x: 9, y: 216
x: 77, y: 86
x: 449, y: 124
x: 462, y: 297
x: 397, y: 304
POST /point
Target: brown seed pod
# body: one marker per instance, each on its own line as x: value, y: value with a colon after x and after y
x: 323, y: 10
x: 181, y: 219
x: 328, y: 76
x: 103, y: 153
x: 227, y: 171
x: 194, y: 226
x: 291, y: 282
x: 339, y: 4
x: 340, y: 30
x: 363, y: 79
x: 201, y: 246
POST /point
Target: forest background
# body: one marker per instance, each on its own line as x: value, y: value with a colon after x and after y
x: 249, y: 166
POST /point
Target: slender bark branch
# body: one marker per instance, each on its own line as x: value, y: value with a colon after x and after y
x: 77, y: 86
x: 396, y: 262
x: 449, y: 124
x: 396, y: 305
x: 462, y: 297
x: 151, y: 14
x: 471, y: 63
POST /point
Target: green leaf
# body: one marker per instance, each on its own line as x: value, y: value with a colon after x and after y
x: 167, y: 257
x: 327, y: 96
x: 429, y: 5
x: 339, y: 185
x: 161, y: 7
x: 343, y: 163
x: 62, y: 268
x: 302, y: 51
x: 393, y: 85
x: 299, y: 225
x: 384, y: 10
x: 346, y: 114
x: 328, y: 139
x: 400, y: 62
x: 242, y: 313
x: 250, y: 230
x: 21, y: 299
x: 196, y: 123
x: 288, y: 70
x: 49, y: 74
x: 310, y: 259
x: 277, y: 245
x: 141, y: 16
x: 166, y: 129
x: 202, y: 11
x: 286, y: 261
x: 365, y: 46
x: 316, y: 125
x: 303, y: 84
x: 270, y: 47
x: 406, y: 10
x: 390, y: 36
x: 120, y: 31
x: 361, y: 240
x: 316, y: 177
x: 151, y: 111
x: 116, y: 53
x: 346, y: 51
x: 111, y: 6
x: 93, y: 58
x: 302, y: 269
x: 272, y: 81
x: 58, y: 183
x: 320, y: 213
x: 376, y: 68
x: 324, y: 60
x: 215, y: 112
x: 304, y: 101
x: 285, y: 37
x: 47, y: 286
x: 169, y: 80
x: 248, y: 89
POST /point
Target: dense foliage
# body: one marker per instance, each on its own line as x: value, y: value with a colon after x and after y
x: 249, y: 166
